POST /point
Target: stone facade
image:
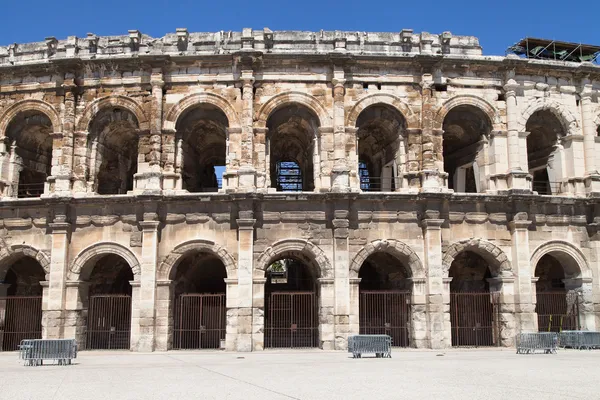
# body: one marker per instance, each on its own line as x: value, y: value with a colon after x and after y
x: 413, y: 145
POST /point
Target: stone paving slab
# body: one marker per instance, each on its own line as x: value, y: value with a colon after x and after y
x: 414, y: 374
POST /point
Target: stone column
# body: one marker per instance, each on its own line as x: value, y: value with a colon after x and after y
x: 518, y: 178
x: 54, y: 316
x: 524, y: 292
x: 502, y: 288
x: 341, y: 265
x: 354, y: 317
x: 258, y: 313
x: 232, y: 325
x: 432, y: 174
x: 3, y: 293
x: 172, y: 161
x: 438, y: 304
x: 584, y: 289
x: 146, y: 305
x: 76, y: 312
x: 59, y: 181
x: 261, y: 161
x: 592, y: 176
x: 242, y: 311
x: 163, y: 325
x: 340, y: 174
x: 148, y: 178
x: 352, y: 162
x: 418, y: 314
x: 5, y: 182
x: 245, y: 153
x: 326, y: 299
x: 82, y: 164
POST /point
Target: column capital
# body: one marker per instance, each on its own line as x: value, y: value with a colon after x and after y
x: 432, y: 223
x: 245, y: 223
x: 149, y: 226
x: 355, y: 281
x: 517, y: 225
x: 59, y: 227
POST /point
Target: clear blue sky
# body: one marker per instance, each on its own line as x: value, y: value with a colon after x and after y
x: 497, y: 23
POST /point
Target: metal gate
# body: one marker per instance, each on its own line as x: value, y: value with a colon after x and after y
x: 291, y: 320
x: 385, y: 313
x: 20, y: 318
x: 109, y: 322
x: 557, y: 311
x: 199, y: 321
x: 475, y: 319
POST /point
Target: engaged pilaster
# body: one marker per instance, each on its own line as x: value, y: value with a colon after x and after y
x: 592, y: 176
x: 438, y: 296
x: 518, y: 178
x: 340, y: 179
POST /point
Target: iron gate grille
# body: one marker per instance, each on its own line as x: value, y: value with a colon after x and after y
x: 20, y: 318
x: 385, y: 313
x: 109, y: 322
x: 199, y: 321
x: 475, y: 319
x: 557, y: 311
x: 292, y: 320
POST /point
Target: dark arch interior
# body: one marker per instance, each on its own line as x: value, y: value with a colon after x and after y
x: 382, y: 271
x: 550, y: 274
x: 21, y: 302
x: 199, y: 313
x: 199, y: 272
x: 29, y: 135
x: 464, y: 128
x: 291, y: 303
x: 292, y: 130
x: 23, y: 278
x: 114, y: 134
x: 544, y: 131
x: 202, y: 131
x: 111, y: 274
x: 556, y: 307
x: 469, y: 273
x: 380, y: 130
x: 384, y: 299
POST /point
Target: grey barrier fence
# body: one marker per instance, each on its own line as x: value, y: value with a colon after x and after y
x: 380, y: 345
x: 579, y: 339
x: 529, y: 343
x: 34, y: 351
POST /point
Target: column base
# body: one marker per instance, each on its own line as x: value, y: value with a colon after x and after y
x: 340, y: 179
x: 518, y: 182
x: 592, y: 185
x: 147, y: 183
x: 433, y: 181
x: 171, y: 181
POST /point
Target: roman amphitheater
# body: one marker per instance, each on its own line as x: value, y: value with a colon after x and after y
x: 258, y: 189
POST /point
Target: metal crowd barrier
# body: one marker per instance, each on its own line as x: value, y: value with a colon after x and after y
x: 529, y: 343
x: 34, y: 351
x: 380, y: 345
x: 579, y: 340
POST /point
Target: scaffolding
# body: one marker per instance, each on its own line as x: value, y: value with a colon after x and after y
x: 544, y: 49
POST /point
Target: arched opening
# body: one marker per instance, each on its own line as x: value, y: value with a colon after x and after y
x: 202, y: 140
x: 30, y: 153
x: 543, y: 157
x: 474, y: 308
x: 113, y: 151
x: 108, y: 303
x: 381, y: 148
x: 21, y: 303
x: 199, y: 312
x: 465, y: 131
x: 384, y: 298
x: 291, y: 304
x: 557, y: 306
x: 291, y: 148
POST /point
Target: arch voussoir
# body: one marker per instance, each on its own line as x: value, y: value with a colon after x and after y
x: 394, y: 247
x: 496, y: 258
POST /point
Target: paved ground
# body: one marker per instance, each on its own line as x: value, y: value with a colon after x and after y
x: 410, y: 374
